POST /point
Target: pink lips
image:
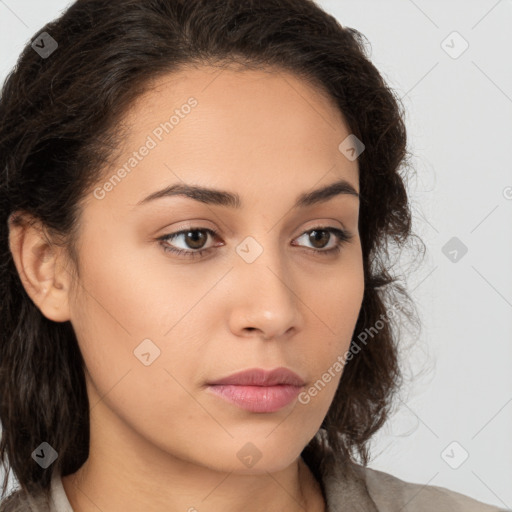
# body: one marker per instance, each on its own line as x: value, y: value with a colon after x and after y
x: 258, y: 390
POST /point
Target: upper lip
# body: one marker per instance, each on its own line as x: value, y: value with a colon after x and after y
x: 261, y: 377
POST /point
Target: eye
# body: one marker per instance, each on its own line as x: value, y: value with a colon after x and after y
x: 196, y: 238
x: 191, y: 238
x: 322, y: 235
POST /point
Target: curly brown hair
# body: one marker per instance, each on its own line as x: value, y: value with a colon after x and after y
x: 60, y: 129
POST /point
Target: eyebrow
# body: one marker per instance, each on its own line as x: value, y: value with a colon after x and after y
x: 232, y: 200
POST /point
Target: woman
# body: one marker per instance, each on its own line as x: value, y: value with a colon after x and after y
x: 198, y: 199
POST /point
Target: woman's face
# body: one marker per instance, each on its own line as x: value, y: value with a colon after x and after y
x: 155, y: 327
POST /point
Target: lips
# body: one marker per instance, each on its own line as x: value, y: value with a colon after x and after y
x: 258, y: 390
x: 261, y: 377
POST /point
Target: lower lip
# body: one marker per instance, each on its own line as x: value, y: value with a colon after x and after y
x: 257, y: 398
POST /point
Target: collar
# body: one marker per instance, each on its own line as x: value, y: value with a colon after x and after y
x: 343, y: 482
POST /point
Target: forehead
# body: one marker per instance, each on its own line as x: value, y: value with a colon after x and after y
x: 240, y: 102
x: 248, y: 130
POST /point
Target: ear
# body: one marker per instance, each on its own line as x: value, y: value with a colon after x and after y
x: 41, y: 266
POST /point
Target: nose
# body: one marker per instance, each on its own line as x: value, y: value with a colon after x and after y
x: 264, y: 300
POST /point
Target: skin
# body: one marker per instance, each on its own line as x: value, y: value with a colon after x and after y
x: 159, y: 440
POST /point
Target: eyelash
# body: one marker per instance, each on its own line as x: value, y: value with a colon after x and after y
x: 343, y: 237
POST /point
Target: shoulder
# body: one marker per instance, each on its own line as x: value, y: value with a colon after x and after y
x: 20, y: 501
x: 351, y: 486
x: 390, y: 493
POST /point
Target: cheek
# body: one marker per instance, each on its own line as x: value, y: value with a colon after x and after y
x: 125, y: 315
x: 133, y: 291
x: 337, y: 297
x: 134, y: 306
x: 349, y: 292
x: 337, y: 304
x: 140, y: 348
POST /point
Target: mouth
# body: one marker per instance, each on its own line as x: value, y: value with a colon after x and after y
x: 258, y: 390
x: 260, y: 399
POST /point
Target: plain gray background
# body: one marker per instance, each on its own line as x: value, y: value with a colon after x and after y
x: 459, y: 116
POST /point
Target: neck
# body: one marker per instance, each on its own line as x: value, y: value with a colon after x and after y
x: 106, y: 487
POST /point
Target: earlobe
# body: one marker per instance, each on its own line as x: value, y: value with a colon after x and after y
x: 39, y: 266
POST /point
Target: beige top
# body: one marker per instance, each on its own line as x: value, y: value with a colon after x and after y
x: 370, y: 491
